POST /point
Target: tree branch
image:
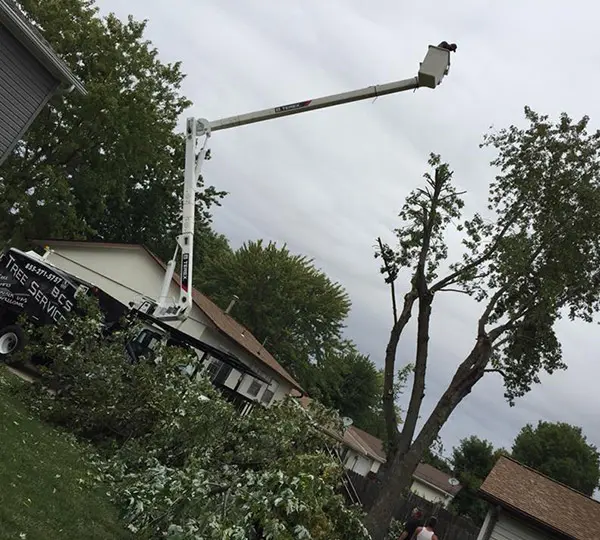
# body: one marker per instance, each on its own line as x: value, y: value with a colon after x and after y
x: 392, y: 281
x: 450, y: 289
x: 484, y: 256
x: 495, y: 370
x: 495, y: 333
x: 483, y: 320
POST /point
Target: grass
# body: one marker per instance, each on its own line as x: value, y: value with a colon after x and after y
x: 47, y: 487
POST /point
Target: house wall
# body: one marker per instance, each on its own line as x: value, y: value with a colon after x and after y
x: 509, y: 527
x: 358, y: 463
x: 129, y: 274
x: 125, y: 273
x: 430, y: 493
x: 25, y: 88
x: 375, y: 466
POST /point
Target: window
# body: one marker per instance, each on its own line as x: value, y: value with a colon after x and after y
x: 254, y: 388
x: 217, y: 371
x: 212, y: 368
x: 269, y: 393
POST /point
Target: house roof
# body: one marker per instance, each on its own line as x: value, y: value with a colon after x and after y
x: 354, y: 438
x: 13, y: 18
x: 542, y: 500
x: 351, y: 437
x: 435, y: 477
x: 223, y: 321
x: 373, y: 445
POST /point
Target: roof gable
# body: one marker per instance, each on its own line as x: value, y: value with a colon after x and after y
x: 542, y: 500
x: 222, y: 321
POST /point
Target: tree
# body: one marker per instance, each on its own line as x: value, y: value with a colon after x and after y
x: 472, y: 461
x: 208, y: 245
x: 534, y: 259
x: 347, y: 381
x: 560, y: 451
x: 287, y: 303
x: 107, y: 165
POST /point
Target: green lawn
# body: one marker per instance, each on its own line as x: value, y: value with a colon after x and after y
x: 45, y: 481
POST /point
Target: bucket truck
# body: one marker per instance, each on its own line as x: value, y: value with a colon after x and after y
x: 431, y: 72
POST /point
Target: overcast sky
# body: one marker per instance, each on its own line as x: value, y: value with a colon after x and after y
x: 329, y: 182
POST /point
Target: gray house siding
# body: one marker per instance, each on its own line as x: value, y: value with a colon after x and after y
x: 512, y: 528
x: 25, y: 88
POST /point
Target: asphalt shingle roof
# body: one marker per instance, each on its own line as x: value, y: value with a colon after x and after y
x: 543, y: 500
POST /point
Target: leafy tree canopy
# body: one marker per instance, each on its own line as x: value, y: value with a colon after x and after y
x: 348, y: 381
x: 108, y: 165
x: 283, y: 300
x: 560, y: 451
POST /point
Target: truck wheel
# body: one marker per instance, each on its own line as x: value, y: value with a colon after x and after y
x: 12, y: 340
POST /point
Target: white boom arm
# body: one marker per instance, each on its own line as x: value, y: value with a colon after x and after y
x: 431, y: 72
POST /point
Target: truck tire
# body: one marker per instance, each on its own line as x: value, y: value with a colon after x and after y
x: 12, y: 340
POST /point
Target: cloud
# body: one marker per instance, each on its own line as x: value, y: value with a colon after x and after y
x: 329, y: 182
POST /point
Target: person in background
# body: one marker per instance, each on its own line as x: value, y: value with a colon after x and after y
x: 413, y: 523
x: 427, y: 532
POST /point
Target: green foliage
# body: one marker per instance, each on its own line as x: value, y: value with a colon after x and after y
x: 107, y: 165
x: 472, y: 459
x: 182, y: 462
x: 535, y: 260
x: 208, y: 245
x: 349, y: 382
x: 283, y: 299
x: 542, y: 249
x: 267, y: 475
x: 560, y: 451
x: 424, y: 217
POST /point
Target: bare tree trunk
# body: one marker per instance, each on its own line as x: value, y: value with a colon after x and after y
x: 398, y: 478
x: 389, y: 411
x: 418, y: 388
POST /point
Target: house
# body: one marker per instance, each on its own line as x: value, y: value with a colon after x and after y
x: 526, y: 505
x: 362, y: 452
x: 434, y: 485
x: 130, y: 273
x: 30, y: 74
x: 364, y: 455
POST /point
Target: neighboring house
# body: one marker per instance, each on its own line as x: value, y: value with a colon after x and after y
x: 364, y: 454
x: 30, y: 74
x: 359, y: 451
x: 526, y: 505
x: 131, y: 272
x: 434, y: 485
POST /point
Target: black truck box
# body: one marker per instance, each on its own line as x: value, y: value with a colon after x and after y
x: 43, y: 292
x: 28, y: 285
